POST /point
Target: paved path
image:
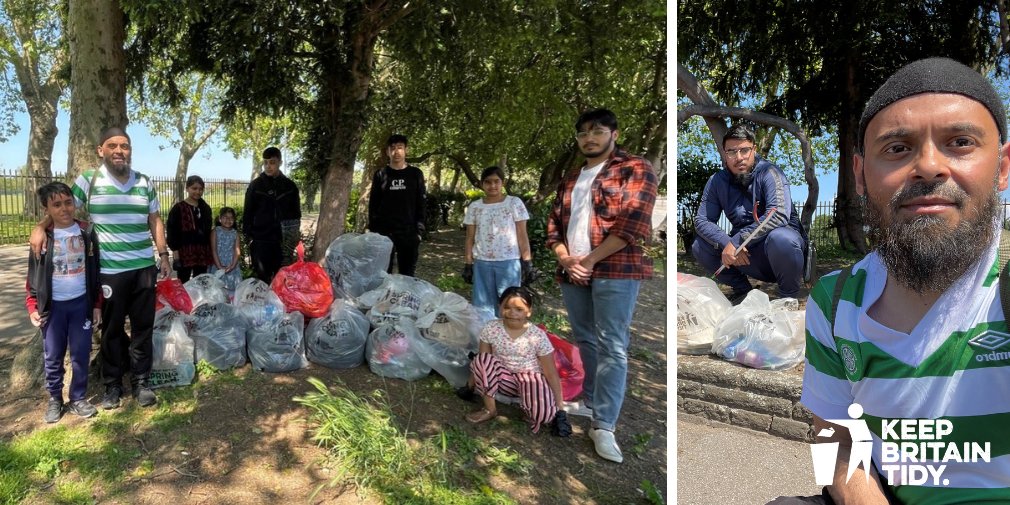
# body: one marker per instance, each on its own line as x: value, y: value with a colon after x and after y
x: 719, y: 463
x: 14, y: 326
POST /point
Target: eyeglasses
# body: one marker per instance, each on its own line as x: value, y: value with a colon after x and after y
x: 743, y: 152
x: 598, y: 132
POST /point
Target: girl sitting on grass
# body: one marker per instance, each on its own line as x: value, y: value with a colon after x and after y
x: 516, y: 359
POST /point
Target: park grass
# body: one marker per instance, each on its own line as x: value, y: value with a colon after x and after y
x: 369, y: 450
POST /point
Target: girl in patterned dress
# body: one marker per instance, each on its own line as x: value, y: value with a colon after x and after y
x: 227, y: 251
x: 188, y: 231
x: 516, y: 359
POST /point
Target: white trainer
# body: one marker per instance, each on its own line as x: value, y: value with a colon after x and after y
x: 606, y: 445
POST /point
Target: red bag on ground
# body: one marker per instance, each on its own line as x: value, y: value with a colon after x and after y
x: 171, y: 292
x: 568, y: 361
x: 304, y: 287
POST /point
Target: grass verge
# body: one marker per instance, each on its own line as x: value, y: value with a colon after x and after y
x: 450, y: 467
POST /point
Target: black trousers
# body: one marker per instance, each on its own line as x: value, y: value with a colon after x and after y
x: 129, y: 294
x: 405, y: 247
x: 266, y: 259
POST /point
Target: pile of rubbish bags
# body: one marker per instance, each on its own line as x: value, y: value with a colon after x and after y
x: 758, y: 333
x: 342, y: 314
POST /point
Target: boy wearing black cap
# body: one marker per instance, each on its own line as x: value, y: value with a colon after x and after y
x: 916, y: 331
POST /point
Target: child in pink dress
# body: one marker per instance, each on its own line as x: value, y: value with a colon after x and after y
x: 516, y: 359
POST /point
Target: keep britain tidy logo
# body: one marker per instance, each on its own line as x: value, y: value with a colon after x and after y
x: 912, y: 451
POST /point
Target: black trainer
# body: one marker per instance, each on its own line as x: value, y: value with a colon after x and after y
x: 82, y: 408
x: 112, y: 395
x: 54, y: 410
x: 144, y: 396
x: 738, y: 296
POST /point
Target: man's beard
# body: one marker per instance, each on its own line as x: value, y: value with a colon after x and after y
x: 120, y: 170
x: 603, y: 149
x: 924, y: 254
x: 743, y: 179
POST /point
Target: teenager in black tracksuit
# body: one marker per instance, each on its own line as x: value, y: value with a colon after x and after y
x: 396, y: 205
x: 271, y: 202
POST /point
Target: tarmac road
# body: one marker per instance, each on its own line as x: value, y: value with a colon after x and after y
x: 727, y: 465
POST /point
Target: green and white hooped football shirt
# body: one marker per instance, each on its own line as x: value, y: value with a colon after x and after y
x: 119, y: 213
x: 954, y: 366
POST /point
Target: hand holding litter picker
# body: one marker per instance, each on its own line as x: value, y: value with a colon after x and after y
x: 761, y: 225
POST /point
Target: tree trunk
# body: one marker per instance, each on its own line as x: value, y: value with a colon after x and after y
x: 466, y: 167
x: 552, y: 174
x: 96, y: 31
x: 38, y: 167
x: 181, y: 171
x: 454, y: 185
x: 849, y: 217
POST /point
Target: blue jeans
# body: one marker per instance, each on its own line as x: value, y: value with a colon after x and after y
x: 600, y: 315
x: 490, y: 278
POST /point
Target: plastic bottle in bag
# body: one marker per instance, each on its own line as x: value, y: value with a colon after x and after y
x: 390, y: 352
x: 338, y: 339
x: 219, y: 331
x: 173, y: 356
x: 280, y: 347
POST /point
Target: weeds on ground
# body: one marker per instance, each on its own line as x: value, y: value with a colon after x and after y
x: 451, y: 281
x: 370, y: 451
x: 556, y: 323
x: 641, y: 443
x: 651, y: 492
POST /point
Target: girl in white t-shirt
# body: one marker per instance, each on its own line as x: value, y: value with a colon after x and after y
x: 517, y: 359
x: 497, y: 253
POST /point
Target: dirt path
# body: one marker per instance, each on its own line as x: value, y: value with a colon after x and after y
x: 247, y: 442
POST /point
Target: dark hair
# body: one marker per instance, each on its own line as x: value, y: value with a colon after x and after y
x: 223, y: 211
x: 194, y: 179
x: 112, y: 131
x: 396, y: 138
x: 52, y: 189
x: 272, y: 152
x: 492, y: 170
x: 514, y: 291
x: 596, y: 117
x: 738, y: 131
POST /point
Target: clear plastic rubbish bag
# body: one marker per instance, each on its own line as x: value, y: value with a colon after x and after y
x: 391, y: 351
x: 338, y: 339
x: 219, y: 330
x: 762, y: 334
x: 280, y: 347
x: 701, y: 306
x: 173, y: 359
x: 448, y: 329
x: 206, y: 289
x: 399, y: 296
x: 258, y: 303
x: 357, y: 262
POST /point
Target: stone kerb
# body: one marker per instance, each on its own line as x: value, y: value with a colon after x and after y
x: 761, y: 400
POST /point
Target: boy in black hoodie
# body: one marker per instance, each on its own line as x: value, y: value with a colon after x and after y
x: 271, y: 217
x: 64, y: 299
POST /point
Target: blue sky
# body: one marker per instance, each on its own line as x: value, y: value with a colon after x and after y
x: 212, y: 161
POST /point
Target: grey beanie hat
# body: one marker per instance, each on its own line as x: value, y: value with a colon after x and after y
x: 935, y: 75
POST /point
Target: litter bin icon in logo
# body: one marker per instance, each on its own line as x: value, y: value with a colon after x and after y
x: 825, y: 454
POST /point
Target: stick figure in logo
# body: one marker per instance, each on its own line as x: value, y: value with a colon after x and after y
x: 862, y: 440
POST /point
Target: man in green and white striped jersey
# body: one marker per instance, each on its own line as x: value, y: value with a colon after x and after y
x: 915, y: 332
x: 123, y: 206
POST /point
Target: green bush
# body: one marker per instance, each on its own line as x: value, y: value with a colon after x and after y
x: 444, y: 208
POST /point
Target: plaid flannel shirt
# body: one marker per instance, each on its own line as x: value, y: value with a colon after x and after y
x: 624, y: 193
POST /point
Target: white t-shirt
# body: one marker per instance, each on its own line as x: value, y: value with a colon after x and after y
x: 68, y: 263
x: 495, y: 236
x: 582, y: 212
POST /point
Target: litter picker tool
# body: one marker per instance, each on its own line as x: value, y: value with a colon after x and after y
x: 761, y: 225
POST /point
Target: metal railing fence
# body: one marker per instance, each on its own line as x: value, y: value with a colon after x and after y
x: 20, y: 208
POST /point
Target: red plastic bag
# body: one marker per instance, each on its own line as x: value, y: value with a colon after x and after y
x: 171, y: 292
x: 568, y: 361
x: 304, y: 287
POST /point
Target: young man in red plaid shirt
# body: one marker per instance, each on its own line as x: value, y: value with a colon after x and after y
x: 602, y: 213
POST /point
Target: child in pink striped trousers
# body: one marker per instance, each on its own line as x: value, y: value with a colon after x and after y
x: 516, y: 359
